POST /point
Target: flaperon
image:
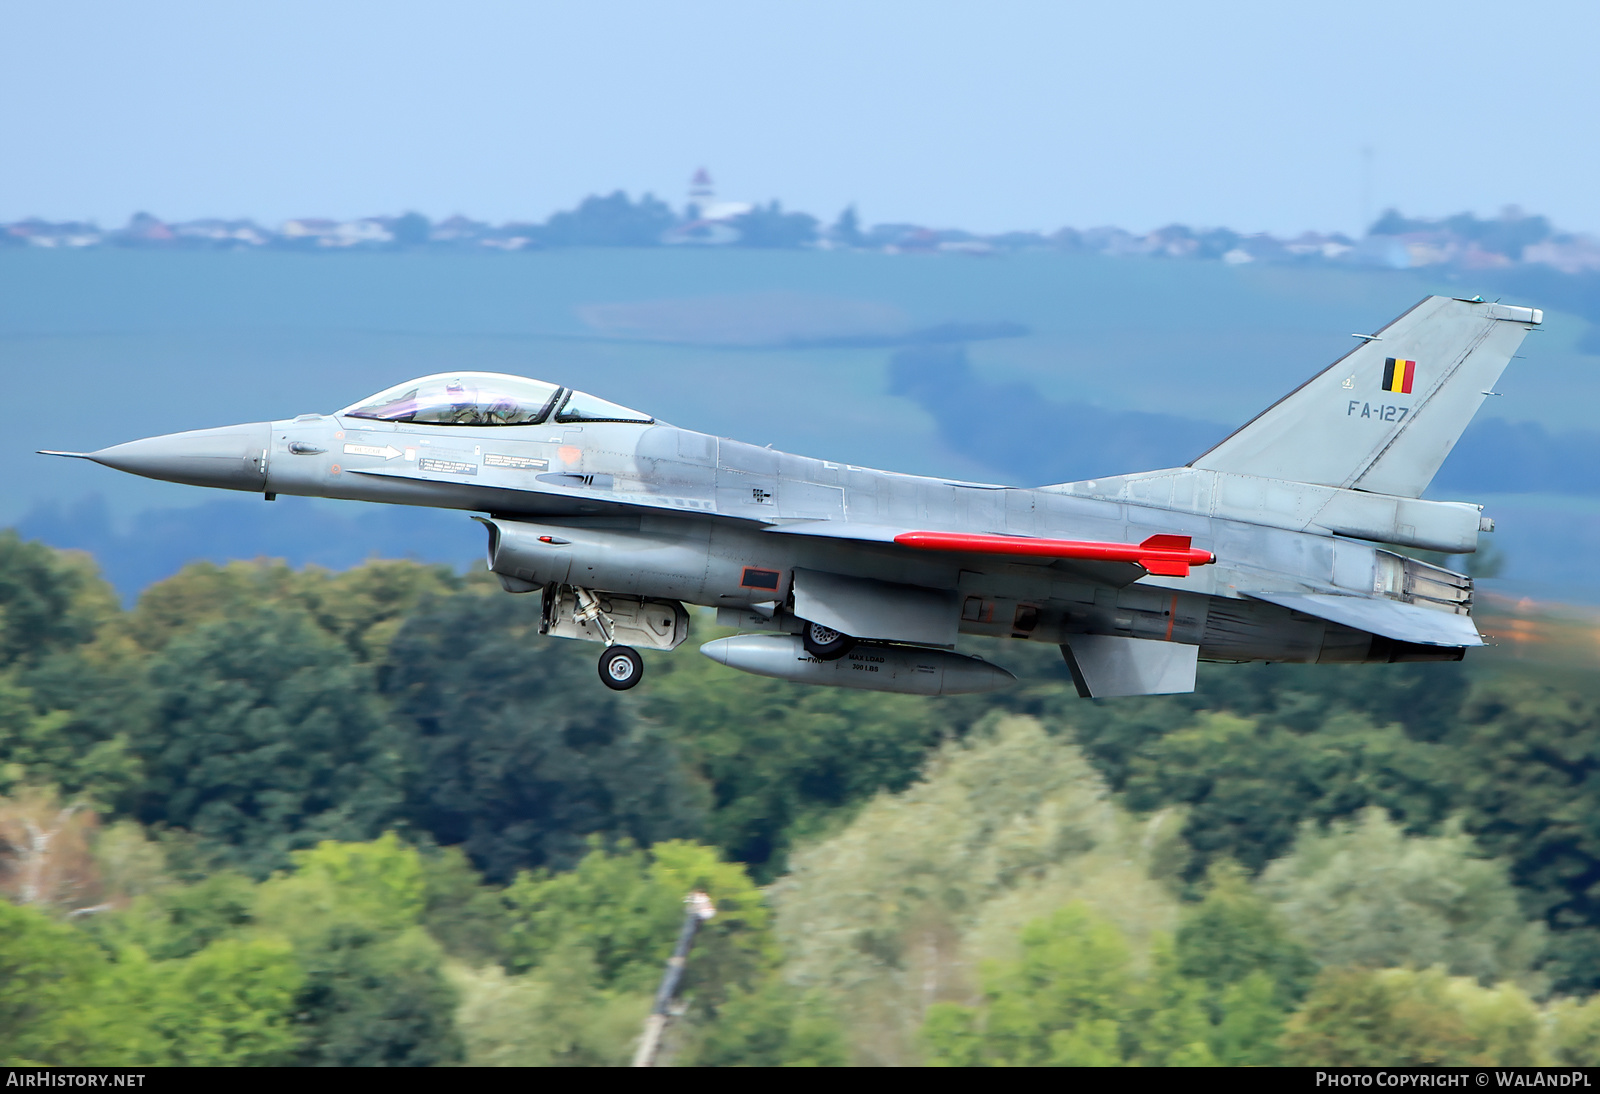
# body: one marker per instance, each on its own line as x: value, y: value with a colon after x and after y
x: 1265, y: 548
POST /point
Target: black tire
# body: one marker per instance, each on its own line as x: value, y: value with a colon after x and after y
x: 621, y: 667
x: 825, y: 643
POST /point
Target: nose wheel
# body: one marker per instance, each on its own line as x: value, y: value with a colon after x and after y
x: 621, y: 667
x: 825, y: 643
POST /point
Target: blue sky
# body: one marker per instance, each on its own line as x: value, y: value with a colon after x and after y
x: 989, y: 116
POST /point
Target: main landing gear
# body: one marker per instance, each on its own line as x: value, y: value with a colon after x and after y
x: 825, y: 643
x: 621, y: 667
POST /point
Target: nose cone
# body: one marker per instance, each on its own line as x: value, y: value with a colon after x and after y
x: 232, y: 458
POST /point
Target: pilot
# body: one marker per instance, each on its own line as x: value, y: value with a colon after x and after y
x: 502, y: 411
x: 463, y: 404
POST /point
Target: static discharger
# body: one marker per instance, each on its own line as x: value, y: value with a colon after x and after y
x: 1166, y: 555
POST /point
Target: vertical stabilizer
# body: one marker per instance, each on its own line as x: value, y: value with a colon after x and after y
x: 1384, y: 417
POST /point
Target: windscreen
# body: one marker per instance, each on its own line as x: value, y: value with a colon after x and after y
x: 464, y: 398
x: 580, y: 407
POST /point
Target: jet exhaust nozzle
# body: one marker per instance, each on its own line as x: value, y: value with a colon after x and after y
x: 910, y: 670
x: 233, y: 457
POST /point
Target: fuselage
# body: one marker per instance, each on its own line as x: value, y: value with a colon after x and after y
x: 652, y: 510
x: 1266, y: 547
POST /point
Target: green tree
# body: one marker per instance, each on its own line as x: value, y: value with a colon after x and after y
x: 362, y: 607
x: 1064, y: 1002
x: 1251, y: 971
x: 1574, y: 1039
x: 624, y: 909
x: 1400, y: 1017
x: 769, y: 226
x: 1235, y: 933
x: 555, y: 1016
x: 1168, y: 1023
x: 266, y: 737
x: 521, y: 759
x: 411, y: 229
x: 178, y: 921
x: 1528, y: 792
x: 781, y: 759
x: 888, y: 916
x: 610, y: 221
x: 1355, y: 1018
x: 609, y: 907
x: 374, y: 998
x: 847, y: 229
x: 771, y: 1027
x: 230, y: 1005
x: 1248, y: 782
x: 1425, y: 699
x: 48, y: 974
x: 374, y: 991
x: 68, y: 695
x: 1365, y: 894
x: 467, y: 917
x: 382, y: 881
x: 586, y: 949
x: 86, y: 756
x: 50, y: 601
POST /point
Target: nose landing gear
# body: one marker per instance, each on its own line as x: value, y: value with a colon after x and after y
x: 621, y: 667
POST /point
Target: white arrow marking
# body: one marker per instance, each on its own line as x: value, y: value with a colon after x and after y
x: 388, y: 452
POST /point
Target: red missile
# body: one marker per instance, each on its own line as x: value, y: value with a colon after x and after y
x: 1168, y: 555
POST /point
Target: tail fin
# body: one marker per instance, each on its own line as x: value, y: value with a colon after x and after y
x: 1384, y: 417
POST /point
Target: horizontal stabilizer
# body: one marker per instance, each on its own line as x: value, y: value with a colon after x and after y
x: 1106, y: 666
x: 1389, y: 618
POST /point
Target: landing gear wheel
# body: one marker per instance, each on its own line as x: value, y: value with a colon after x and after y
x: 621, y: 667
x: 825, y: 643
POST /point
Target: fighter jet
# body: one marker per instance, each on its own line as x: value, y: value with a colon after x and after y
x: 1282, y: 543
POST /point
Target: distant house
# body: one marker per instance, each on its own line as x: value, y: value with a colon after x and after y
x: 309, y: 228
x: 368, y: 231
x: 146, y: 229
x: 221, y: 233
x: 458, y: 229
x: 41, y: 233
x: 1317, y: 245
x: 354, y: 233
x: 1567, y: 253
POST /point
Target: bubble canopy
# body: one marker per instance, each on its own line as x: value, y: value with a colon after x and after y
x: 486, y: 398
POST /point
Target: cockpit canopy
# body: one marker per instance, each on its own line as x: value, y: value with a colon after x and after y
x: 487, y: 398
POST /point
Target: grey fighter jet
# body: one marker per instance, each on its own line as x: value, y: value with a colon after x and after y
x: 1276, y: 545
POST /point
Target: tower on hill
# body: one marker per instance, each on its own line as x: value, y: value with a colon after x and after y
x: 702, y: 195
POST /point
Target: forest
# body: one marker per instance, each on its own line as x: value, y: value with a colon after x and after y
x: 278, y: 816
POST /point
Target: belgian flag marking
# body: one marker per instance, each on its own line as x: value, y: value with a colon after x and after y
x: 1398, y: 375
